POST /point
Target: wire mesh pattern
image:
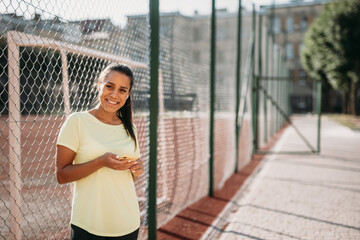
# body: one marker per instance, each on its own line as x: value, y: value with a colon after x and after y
x: 50, y: 58
x: 49, y: 67
x: 184, y: 113
x: 225, y: 96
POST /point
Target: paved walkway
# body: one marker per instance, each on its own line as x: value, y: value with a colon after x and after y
x: 300, y: 196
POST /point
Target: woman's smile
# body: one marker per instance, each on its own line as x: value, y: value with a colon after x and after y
x: 111, y: 102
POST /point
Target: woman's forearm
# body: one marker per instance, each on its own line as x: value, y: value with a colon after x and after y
x: 74, y: 172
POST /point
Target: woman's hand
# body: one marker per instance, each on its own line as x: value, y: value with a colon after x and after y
x: 67, y: 172
x: 113, y: 161
x: 137, y: 169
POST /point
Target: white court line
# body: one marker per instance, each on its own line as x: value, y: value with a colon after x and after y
x: 241, y: 195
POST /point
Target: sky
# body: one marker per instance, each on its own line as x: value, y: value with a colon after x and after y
x: 116, y: 10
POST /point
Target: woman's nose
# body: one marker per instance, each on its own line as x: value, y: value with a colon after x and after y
x: 113, y: 94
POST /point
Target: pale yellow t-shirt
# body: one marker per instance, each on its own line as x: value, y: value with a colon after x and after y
x: 105, y: 202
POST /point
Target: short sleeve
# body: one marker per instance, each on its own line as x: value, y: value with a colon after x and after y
x: 69, y: 133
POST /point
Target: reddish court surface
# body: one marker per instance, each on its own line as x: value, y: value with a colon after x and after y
x: 193, y: 221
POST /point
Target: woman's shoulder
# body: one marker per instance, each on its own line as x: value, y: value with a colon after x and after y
x: 77, y: 116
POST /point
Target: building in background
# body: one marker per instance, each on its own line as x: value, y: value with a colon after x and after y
x: 185, y: 57
x: 51, y: 28
x: 226, y: 51
x: 289, y: 25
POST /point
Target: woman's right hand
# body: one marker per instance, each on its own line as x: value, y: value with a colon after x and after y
x: 67, y: 171
x: 112, y: 161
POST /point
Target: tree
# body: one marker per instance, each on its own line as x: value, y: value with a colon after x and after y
x: 332, y: 50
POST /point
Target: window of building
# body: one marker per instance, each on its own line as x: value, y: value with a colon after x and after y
x: 289, y: 24
x: 289, y: 51
x: 302, y: 74
x: 92, y: 26
x: 302, y: 82
x: 301, y: 48
x: 303, y: 24
x: 277, y: 25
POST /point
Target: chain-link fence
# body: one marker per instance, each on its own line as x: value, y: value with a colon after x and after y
x: 49, y: 64
x: 277, y: 94
x: 51, y: 53
x: 183, y: 115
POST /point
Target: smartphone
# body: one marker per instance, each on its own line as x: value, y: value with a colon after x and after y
x: 129, y: 158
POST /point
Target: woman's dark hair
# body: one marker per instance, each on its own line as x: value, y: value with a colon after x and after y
x: 125, y: 112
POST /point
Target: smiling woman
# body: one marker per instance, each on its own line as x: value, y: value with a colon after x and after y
x: 114, y: 101
x: 97, y: 150
x: 114, y: 91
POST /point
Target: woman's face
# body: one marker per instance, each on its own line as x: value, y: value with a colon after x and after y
x: 113, y: 91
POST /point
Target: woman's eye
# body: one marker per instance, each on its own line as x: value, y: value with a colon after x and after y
x: 108, y: 86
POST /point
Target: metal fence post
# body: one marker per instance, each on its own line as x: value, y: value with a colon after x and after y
x: 15, y: 183
x: 288, y: 90
x: 154, y: 109
x: 65, y: 82
x: 66, y: 92
x: 253, y: 84
x: 273, y: 54
x: 258, y: 83
x: 238, y: 84
x: 318, y: 109
x: 266, y: 84
x: 212, y: 96
x: 277, y: 89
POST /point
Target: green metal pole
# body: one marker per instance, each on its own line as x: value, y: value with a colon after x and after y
x: 154, y: 112
x: 212, y: 97
x: 288, y: 90
x: 285, y: 89
x: 280, y: 92
x: 238, y: 84
x: 318, y: 108
x: 266, y: 84
x: 253, y: 84
x: 271, y: 85
x: 277, y: 90
x: 258, y: 82
x: 272, y: 67
x: 283, y: 83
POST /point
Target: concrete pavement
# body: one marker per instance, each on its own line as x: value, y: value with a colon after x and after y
x: 299, y: 196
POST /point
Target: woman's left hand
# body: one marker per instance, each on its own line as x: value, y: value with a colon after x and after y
x: 137, y: 169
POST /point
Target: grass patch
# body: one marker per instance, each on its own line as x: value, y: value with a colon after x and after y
x: 349, y: 121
